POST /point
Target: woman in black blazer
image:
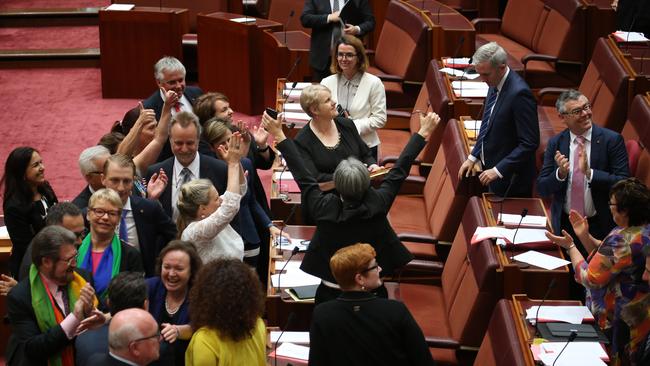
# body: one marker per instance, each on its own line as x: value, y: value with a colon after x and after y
x: 358, y: 328
x: 355, y: 212
x: 27, y: 197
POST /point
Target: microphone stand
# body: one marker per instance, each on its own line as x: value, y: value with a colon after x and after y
x: 548, y: 291
x: 572, y: 337
x: 293, y: 252
x: 524, y: 212
x: 290, y: 319
x: 287, y: 26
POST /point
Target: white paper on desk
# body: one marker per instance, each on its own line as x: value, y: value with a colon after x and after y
x: 456, y: 62
x: 243, y: 20
x: 472, y: 124
x: 489, y: 232
x: 291, y: 350
x: 4, y: 234
x: 291, y: 337
x: 459, y: 73
x: 480, y: 85
x: 541, y: 260
x: 529, y: 220
x: 291, y: 266
x: 294, y: 278
x: 630, y: 36
x: 294, y: 94
x: 299, y: 85
x: 120, y: 7
x: 300, y: 116
x: 579, y: 348
x: 285, y: 175
x: 570, y: 359
x: 285, y: 244
x: 561, y: 313
x: 292, y: 107
x: 470, y: 93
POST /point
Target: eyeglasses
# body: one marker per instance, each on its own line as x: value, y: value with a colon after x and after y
x: 100, y: 212
x: 157, y: 335
x: 578, y: 111
x: 370, y: 269
x: 70, y: 260
x: 346, y: 55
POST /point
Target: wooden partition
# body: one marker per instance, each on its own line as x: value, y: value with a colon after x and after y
x: 131, y: 42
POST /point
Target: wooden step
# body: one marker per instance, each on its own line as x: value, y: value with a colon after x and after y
x: 62, y: 57
x: 47, y: 17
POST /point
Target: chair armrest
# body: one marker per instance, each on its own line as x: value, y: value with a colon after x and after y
x: 487, y: 25
x: 389, y: 77
x: 417, y: 238
x: 549, y: 92
x: 430, y: 267
x: 398, y: 119
x: 444, y: 243
x: 413, y: 185
x: 399, y: 114
x: 537, y: 57
x: 437, y: 342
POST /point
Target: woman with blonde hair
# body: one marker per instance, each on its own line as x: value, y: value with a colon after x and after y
x: 204, y: 216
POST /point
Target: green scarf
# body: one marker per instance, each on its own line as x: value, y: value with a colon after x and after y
x: 104, y: 273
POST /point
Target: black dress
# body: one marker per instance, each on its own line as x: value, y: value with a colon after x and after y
x: 24, y: 220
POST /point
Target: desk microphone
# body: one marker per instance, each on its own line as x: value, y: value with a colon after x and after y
x: 293, y: 252
x: 461, y: 40
x: 548, y: 292
x: 438, y: 16
x: 290, y: 318
x: 572, y: 337
x: 287, y: 26
x: 505, y: 195
x: 524, y: 212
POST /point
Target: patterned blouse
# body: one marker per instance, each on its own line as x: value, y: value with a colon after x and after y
x: 612, y: 277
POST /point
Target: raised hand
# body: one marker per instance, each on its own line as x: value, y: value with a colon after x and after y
x: 171, y: 97
x: 564, y: 241
x: 157, y: 184
x: 261, y: 136
x: 428, y: 123
x: 235, y: 150
x: 95, y: 320
x: 274, y: 126
x: 84, y: 304
x: 562, y: 164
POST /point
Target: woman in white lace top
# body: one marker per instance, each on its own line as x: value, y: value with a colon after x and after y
x: 204, y: 216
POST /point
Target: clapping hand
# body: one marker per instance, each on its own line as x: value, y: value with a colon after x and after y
x: 157, y: 184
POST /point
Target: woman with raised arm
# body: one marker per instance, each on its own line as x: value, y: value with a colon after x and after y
x: 356, y: 212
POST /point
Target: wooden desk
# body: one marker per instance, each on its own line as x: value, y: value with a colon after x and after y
x: 131, y: 42
x: 462, y: 106
x: 521, y: 304
x: 229, y: 60
x: 278, y: 303
x: 521, y: 277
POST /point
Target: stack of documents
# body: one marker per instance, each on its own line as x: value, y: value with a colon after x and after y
x: 459, y: 73
x: 527, y: 221
x: 575, y: 353
x: 623, y: 36
x: 541, y: 260
x: 528, y: 236
x: 292, y: 107
x: 561, y: 313
x: 470, y: 89
x: 290, y: 350
x: 456, y: 63
x: 291, y: 337
x: 294, y: 277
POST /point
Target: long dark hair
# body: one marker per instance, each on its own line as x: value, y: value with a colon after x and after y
x: 14, y: 177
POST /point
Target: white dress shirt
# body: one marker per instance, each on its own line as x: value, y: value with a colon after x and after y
x: 590, y: 209
x: 195, y: 168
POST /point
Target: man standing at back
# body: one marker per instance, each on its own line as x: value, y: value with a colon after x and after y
x: 186, y: 164
x: 91, y: 164
x: 170, y: 75
x: 504, y: 154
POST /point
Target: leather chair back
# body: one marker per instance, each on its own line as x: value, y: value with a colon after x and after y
x: 501, y: 345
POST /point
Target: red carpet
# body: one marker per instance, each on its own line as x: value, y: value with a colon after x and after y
x: 49, y: 37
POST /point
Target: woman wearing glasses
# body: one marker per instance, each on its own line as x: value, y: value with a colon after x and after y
x: 612, y: 273
x: 101, y: 252
x: 359, y: 328
x: 360, y: 94
x: 27, y: 197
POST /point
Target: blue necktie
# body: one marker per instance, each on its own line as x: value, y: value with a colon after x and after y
x: 487, y: 112
x: 124, y: 234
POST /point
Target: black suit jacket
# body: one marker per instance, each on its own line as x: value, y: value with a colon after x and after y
x: 105, y: 360
x: 512, y: 138
x: 314, y: 16
x: 339, y: 224
x: 609, y: 162
x: 210, y: 168
x: 156, y: 103
x: 90, y: 343
x: 359, y: 328
x: 82, y: 198
x: 28, y: 345
x: 155, y: 229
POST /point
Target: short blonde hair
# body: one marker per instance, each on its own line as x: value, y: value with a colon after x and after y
x: 350, y: 260
x: 107, y: 195
x: 309, y: 97
x: 355, y: 42
x: 215, y: 129
x: 192, y: 195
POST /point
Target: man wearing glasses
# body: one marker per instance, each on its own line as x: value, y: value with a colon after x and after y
x: 133, y: 339
x: 47, y: 308
x: 170, y: 75
x: 581, y: 164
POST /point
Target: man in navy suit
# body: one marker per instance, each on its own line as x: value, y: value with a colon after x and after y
x: 187, y: 163
x: 595, y: 154
x: 504, y: 154
x: 144, y: 223
x: 324, y: 17
x: 170, y: 75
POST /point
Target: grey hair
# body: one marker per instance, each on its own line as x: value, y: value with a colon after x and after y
x: 566, y: 96
x: 108, y: 195
x: 184, y: 119
x: 309, y: 96
x: 48, y: 242
x: 491, y: 52
x: 192, y: 195
x: 169, y: 64
x: 88, y: 156
x: 120, y: 338
x: 351, y: 179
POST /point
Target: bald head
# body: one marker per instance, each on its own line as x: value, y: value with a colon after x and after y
x: 133, y: 334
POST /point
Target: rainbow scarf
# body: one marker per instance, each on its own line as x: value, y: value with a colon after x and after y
x: 48, y: 314
x: 108, y: 267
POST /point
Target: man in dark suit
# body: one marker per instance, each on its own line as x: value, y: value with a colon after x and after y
x: 187, y: 163
x: 326, y: 17
x: 43, y: 317
x: 170, y: 75
x: 127, y: 290
x: 504, y: 154
x: 144, y: 224
x: 91, y: 164
x: 133, y: 339
x: 594, y: 154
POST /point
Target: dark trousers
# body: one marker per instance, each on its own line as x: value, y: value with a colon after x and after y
x: 375, y: 153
